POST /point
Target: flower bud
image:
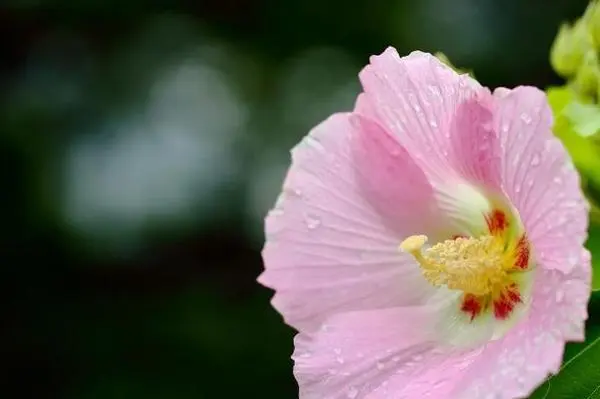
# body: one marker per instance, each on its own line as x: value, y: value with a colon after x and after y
x: 592, y: 17
x: 588, y: 74
x: 569, y: 48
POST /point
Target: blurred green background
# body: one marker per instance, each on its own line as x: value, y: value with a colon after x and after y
x: 143, y: 141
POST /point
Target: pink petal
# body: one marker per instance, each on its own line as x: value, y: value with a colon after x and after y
x: 416, y: 97
x: 514, y: 366
x: 328, y: 247
x: 445, y: 122
x: 475, y: 144
x: 388, y: 176
x: 378, y: 355
x: 539, y: 178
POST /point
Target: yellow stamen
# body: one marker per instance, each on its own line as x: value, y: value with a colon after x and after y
x: 473, y: 265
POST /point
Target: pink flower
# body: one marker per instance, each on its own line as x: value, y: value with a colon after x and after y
x: 429, y: 244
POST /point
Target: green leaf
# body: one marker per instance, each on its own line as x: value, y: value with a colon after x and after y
x: 593, y: 244
x: 584, y: 153
x: 585, y: 118
x: 579, y: 376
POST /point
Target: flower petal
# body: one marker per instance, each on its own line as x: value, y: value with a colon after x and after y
x: 514, y: 366
x: 378, y: 354
x: 391, y: 182
x: 328, y: 248
x: 539, y: 178
x: 445, y: 121
x: 475, y: 144
x: 416, y: 97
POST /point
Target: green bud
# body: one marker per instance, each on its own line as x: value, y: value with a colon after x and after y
x: 592, y: 17
x: 569, y: 48
x: 588, y: 75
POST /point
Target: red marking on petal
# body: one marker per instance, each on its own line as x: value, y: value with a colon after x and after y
x: 471, y: 305
x: 522, y: 253
x: 497, y: 221
x: 506, y: 302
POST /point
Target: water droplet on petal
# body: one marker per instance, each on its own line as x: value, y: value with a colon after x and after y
x: 535, y: 161
x: 276, y: 212
x: 433, y: 123
x: 312, y: 221
x: 352, y: 393
x: 559, y: 296
x: 526, y: 118
x: 573, y: 259
x: 380, y: 365
x: 315, y: 143
x: 337, y: 351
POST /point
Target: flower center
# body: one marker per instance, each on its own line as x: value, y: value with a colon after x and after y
x: 478, y: 266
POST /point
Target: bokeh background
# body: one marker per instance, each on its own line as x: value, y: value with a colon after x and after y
x: 142, y: 143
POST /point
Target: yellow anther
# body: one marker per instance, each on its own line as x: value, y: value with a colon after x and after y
x: 473, y: 265
x: 413, y: 243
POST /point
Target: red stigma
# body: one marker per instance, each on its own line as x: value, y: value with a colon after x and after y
x: 497, y: 221
x: 506, y: 302
x: 522, y: 250
x: 471, y: 305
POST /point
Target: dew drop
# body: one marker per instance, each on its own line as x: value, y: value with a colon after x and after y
x: 337, y: 351
x: 380, y: 365
x: 434, y: 90
x: 573, y: 259
x: 526, y: 118
x: 559, y: 296
x: 312, y: 221
x: 536, y: 160
x: 433, y: 123
x: 315, y: 143
x: 276, y: 212
x: 339, y: 359
x: 352, y: 393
